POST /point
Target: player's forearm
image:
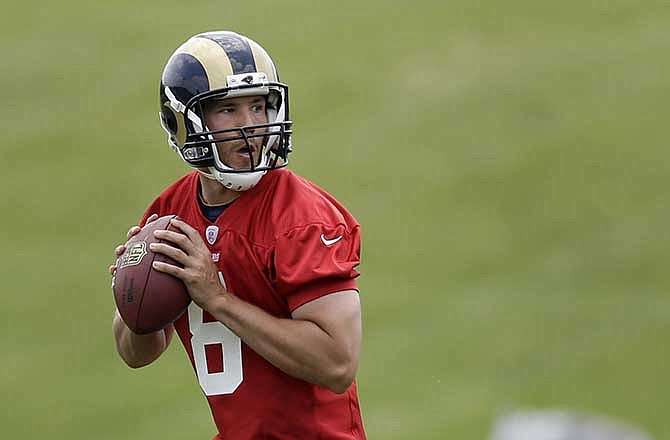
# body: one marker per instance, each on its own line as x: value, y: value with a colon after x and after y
x: 138, y: 350
x: 299, y: 348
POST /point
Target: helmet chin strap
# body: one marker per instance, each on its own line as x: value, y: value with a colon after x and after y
x: 234, y: 181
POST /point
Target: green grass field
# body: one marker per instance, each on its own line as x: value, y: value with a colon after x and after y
x: 508, y: 161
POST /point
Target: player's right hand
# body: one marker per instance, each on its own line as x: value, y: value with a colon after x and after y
x: 120, y: 249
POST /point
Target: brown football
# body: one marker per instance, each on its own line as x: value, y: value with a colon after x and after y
x: 148, y: 300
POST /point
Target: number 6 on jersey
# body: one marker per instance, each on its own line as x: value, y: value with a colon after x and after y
x: 213, y: 333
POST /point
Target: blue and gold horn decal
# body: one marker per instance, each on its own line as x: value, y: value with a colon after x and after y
x: 237, y: 50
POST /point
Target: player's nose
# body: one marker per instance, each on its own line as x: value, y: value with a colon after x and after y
x: 245, y: 118
x: 250, y: 122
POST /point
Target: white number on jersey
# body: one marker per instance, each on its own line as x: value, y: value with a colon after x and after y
x: 215, y: 333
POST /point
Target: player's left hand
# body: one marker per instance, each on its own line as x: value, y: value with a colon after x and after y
x: 199, y: 272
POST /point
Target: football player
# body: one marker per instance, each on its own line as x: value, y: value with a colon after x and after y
x: 269, y: 259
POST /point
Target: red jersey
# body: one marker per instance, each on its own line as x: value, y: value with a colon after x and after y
x: 281, y: 244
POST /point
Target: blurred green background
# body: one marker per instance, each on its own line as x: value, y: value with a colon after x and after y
x: 508, y: 161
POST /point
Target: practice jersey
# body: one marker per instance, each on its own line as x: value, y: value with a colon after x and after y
x: 281, y: 244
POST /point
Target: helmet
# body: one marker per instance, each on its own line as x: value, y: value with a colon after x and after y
x: 220, y: 65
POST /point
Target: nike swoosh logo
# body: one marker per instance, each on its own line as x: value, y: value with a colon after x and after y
x: 327, y: 242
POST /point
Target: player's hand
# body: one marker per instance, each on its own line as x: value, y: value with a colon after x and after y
x: 120, y: 249
x: 198, y: 272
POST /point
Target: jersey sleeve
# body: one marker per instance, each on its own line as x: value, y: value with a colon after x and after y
x: 315, y: 260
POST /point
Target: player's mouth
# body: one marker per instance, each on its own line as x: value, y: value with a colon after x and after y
x: 245, y: 150
x: 243, y: 155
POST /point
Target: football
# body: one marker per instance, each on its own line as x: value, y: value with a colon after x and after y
x: 147, y: 300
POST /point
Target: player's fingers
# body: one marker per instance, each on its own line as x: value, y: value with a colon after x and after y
x: 132, y: 231
x: 120, y: 249
x: 188, y: 230
x: 175, y: 253
x: 151, y: 218
x: 135, y: 229
x: 112, y: 269
x: 181, y: 240
x: 169, y: 269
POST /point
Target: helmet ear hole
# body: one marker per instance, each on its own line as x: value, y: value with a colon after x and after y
x: 273, y: 100
x: 169, y: 120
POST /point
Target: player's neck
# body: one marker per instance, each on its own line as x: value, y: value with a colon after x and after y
x: 214, y: 194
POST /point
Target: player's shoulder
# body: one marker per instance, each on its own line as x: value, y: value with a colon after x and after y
x: 180, y: 188
x: 175, y: 194
x: 184, y: 184
x: 296, y: 202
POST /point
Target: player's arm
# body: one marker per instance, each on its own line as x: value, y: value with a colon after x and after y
x: 320, y: 344
x: 137, y: 350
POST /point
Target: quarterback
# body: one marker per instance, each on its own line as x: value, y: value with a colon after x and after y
x: 269, y: 259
